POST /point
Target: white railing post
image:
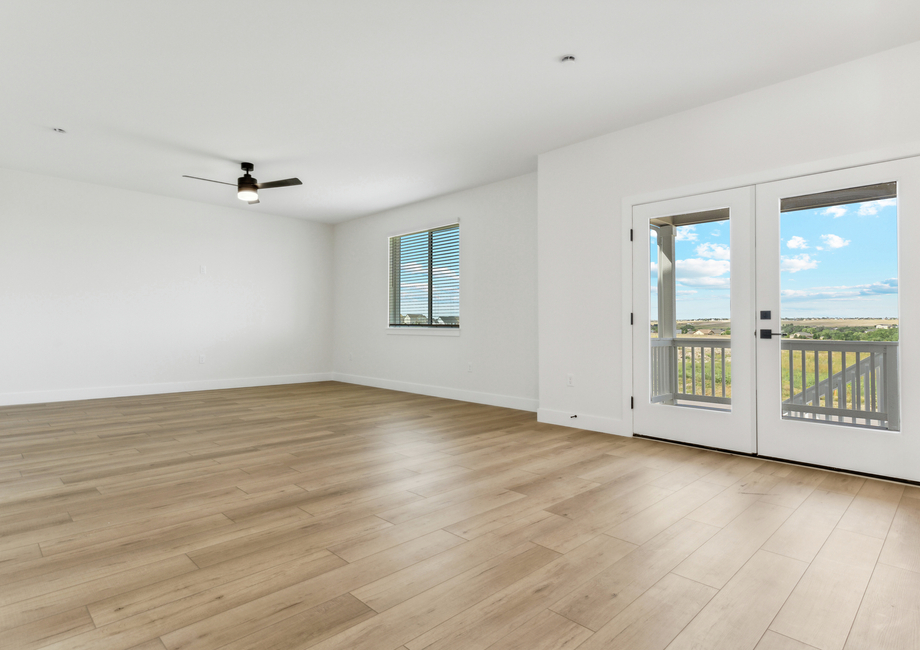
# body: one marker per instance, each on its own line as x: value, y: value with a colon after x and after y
x: 892, y: 392
x: 672, y: 369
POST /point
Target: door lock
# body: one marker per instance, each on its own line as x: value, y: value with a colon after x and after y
x: 769, y: 334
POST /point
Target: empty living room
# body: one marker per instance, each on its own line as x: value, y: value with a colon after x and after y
x: 528, y: 325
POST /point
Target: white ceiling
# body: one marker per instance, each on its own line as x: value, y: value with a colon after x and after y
x: 377, y: 103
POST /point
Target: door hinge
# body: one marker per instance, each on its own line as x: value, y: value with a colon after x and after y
x: 632, y: 402
x: 630, y: 318
x: 630, y: 234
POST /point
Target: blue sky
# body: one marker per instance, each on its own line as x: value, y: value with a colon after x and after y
x: 414, y: 284
x: 835, y: 262
x: 840, y: 261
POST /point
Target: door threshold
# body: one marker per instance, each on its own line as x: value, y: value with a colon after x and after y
x: 784, y: 461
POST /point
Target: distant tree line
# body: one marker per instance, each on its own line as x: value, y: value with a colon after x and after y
x: 851, y: 333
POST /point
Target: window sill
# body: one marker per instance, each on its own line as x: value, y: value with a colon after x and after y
x: 424, y: 331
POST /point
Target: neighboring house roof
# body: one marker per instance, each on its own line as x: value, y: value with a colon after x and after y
x: 703, y: 332
x: 415, y: 319
x: 422, y: 319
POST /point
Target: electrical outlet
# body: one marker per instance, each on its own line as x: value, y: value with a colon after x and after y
x: 570, y: 380
x: 203, y: 269
x: 200, y: 358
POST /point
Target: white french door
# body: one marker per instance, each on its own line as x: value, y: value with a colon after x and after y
x: 797, y: 346
x: 846, y: 404
x: 692, y: 387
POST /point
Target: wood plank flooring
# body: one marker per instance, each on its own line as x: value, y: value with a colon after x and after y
x: 335, y: 517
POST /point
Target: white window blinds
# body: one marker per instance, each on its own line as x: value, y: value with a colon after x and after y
x: 425, y: 278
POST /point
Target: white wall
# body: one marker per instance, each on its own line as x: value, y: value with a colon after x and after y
x: 100, y: 290
x: 498, y: 308
x: 101, y: 293
x: 856, y: 113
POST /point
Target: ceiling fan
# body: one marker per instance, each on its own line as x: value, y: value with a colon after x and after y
x: 247, y: 187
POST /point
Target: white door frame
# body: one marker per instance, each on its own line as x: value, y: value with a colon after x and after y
x: 900, y: 151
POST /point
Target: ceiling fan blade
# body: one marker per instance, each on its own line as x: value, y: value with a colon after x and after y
x: 252, y: 202
x: 198, y: 178
x: 285, y: 183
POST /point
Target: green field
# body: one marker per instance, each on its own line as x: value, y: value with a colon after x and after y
x: 840, y: 361
x: 702, y: 368
x: 708, y: 375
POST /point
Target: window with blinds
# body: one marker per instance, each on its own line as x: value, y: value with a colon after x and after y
x: 425, y: 278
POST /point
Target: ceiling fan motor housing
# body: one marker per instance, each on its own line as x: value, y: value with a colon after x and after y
x: 247, y: 187
x: 247, y: 182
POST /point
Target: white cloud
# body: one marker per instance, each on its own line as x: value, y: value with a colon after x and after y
x: 889, y: 286
x: 686, y: 233
x: 413, y: 267
x: 654, y: 267
x: 701, y: 268
x: 714, y: 251
x: 885, y: 286
x: 697, y: 272
x: 715, y: 232
x: 438, y: 271
x: 708, y: 283
x: 871, y: 208
x: 819, y: 248
x: 834, y: 241
x: 797, y: 242
x: 798, y: 263
x: 835, y: 211
x: 686, y: 292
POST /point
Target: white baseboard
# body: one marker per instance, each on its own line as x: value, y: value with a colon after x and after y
x: 100, y: 392
x: 506, y: 401
x: 618, y: 427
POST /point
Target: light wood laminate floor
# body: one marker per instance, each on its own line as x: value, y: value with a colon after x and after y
x: 333, y: 516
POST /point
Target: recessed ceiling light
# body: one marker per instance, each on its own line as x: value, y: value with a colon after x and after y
x: 58, y: 130
x: 567, y: 58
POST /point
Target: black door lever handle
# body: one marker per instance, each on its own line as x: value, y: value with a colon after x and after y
x: 769, y: 334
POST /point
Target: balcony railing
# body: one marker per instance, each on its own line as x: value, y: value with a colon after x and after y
x: 691, y: 371
x: 845, y: 382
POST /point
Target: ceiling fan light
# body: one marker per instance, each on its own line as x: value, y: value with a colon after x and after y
x: 247, y: 193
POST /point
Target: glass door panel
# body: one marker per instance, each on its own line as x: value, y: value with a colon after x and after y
x: 690, y: 309
x: 839, y: 306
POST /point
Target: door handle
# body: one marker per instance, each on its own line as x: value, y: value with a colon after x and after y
x: 769, y: 334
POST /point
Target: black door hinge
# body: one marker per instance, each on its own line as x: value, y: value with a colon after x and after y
x: 630, y: 234
x: 632, y: 402
x: 630, y: 318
